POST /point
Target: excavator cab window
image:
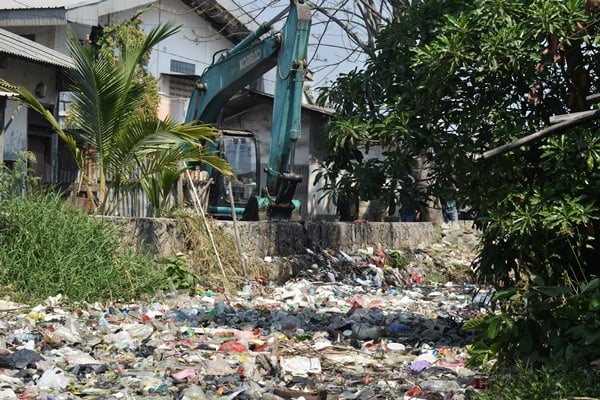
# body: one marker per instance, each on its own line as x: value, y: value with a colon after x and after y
x: 241, y: 153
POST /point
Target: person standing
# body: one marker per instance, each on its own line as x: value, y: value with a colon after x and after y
x: 449, y: 208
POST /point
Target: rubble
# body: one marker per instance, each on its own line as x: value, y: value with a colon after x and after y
x: 371, y: 325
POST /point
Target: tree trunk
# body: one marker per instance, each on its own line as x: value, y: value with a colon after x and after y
x: 432, y: 210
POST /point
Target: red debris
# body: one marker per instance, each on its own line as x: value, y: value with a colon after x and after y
x: 233, y: 346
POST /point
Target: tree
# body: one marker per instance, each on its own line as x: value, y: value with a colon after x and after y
x: 380, y: 107
x: 110, y: 39
x: 452, y: 79
x: 126, y: 146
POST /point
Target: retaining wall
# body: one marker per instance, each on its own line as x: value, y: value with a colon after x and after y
x: 162, y: 237
x: 285, y: 238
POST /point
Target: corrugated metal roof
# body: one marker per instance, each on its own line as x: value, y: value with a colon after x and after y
x: 57, y: 12
x: 225, y: 15
x: 33, y: 17
x: 29, y: 4
x: 18, y: 46
x: 224, y: 21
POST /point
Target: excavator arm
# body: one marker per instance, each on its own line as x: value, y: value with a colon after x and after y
x: 232, y: 72
x: 242, y: 65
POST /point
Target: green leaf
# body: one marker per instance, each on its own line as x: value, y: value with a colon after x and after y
x: 526, y: 342
x: 594, y: 284
x: 505, y: 294
x: 554, y: 291
x: 592, y: 336
x: 478, y: 322
x: 538, y: 280
x: 493, y: 328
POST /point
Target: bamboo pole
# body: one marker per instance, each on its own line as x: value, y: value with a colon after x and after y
x: 238, y: 241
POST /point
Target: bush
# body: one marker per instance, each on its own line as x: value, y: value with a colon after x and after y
x: 556, y: 381
x: 544, y: 220
x: 540, y: 324
x: 540, y: 247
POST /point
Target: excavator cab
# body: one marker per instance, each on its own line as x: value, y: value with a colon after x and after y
x: 240, y: 149
x: 235, y: 69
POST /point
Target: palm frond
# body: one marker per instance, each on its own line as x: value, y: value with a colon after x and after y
x: 98, y: 89
x: 27, y: 98
x: 134, y: 55
x: 147, y: 135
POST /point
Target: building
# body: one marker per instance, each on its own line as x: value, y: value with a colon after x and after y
x: 207, y: 28
x: 39, y: 69
x: 251, y: 110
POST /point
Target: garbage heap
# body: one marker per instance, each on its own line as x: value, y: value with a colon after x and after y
x: 371, y: 325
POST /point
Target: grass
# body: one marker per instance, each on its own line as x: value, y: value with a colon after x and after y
x: 228, y: 275
x: 49, y: 248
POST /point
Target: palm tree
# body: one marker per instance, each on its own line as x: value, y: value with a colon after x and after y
x: 107, y: 126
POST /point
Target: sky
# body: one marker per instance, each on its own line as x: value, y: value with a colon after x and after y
x: 328, y: 45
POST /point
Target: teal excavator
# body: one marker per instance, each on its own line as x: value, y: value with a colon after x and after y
x: 232, y: 71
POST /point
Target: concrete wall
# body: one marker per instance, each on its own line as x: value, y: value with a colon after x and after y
x: 160, y: 236
x: 288, y: 238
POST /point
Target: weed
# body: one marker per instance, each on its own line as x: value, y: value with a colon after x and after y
x: 47, y: 248
x: 400, y: 258
x: 180, y: 273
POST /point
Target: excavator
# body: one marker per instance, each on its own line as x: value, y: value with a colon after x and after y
x: 234, y: 70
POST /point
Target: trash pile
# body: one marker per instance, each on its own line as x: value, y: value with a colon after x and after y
x: 349, y: 327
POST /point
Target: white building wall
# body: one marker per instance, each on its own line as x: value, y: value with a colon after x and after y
x: 60, y: 40
x: 27, y: 74
x: 15, y: 137
x: 195, y: 43
x: 54, y: 37
x: 44, y: 35
x: 258, y: 120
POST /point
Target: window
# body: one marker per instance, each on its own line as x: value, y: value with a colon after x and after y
x: 183, y: 67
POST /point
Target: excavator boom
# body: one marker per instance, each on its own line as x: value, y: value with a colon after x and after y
x: 245, y: 63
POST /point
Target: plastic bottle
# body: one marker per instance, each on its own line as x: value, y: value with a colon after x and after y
x: 193, y: 392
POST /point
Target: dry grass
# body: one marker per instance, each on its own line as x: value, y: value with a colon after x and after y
x: 214, y: 256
